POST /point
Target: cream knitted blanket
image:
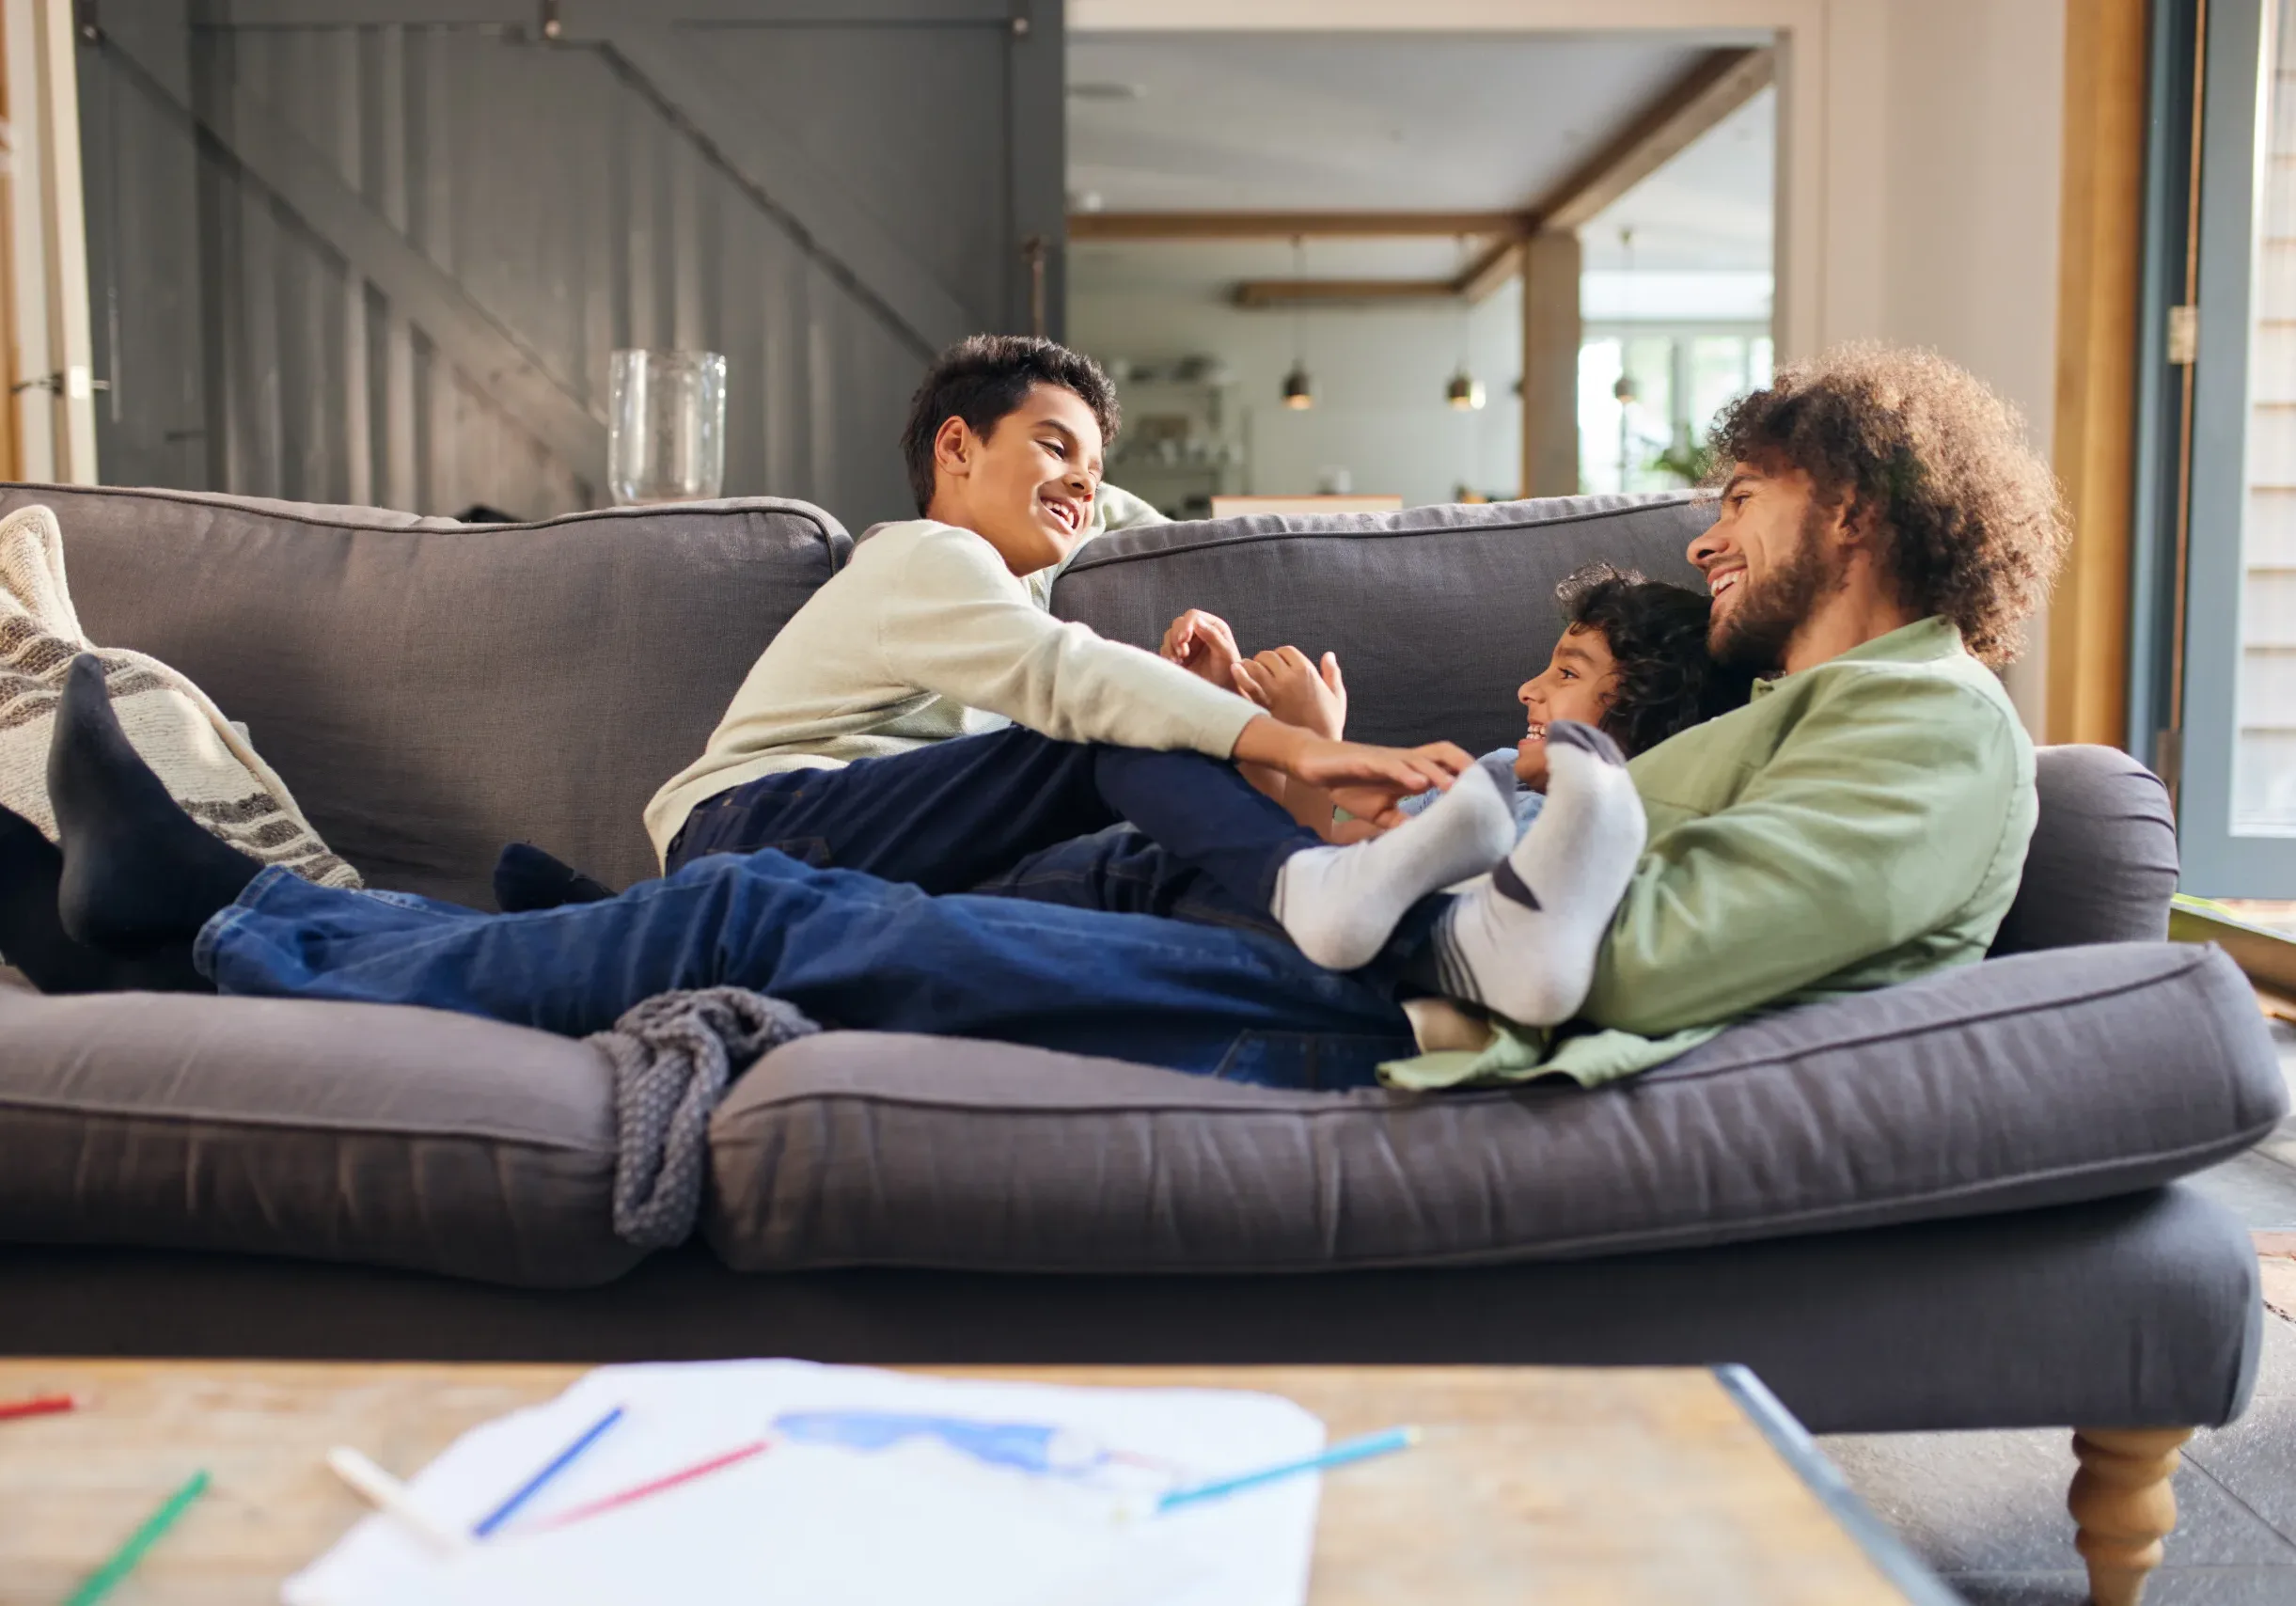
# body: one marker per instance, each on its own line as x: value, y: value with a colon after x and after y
x: 204, y: 759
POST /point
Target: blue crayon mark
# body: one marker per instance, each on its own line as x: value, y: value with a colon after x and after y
x: 1036, y: 1448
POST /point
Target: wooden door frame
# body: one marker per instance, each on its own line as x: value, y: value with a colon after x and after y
x: 2107, y: 106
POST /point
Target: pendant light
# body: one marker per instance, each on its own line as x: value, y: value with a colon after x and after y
x: 1298, y: 391
x: 1465, y: 391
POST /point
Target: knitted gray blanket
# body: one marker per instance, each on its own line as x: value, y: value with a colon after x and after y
x: 673, y: 1058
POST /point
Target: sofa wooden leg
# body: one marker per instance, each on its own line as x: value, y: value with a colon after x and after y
x: 2124, y: 1505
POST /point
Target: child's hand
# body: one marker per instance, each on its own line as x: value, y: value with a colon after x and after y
x: 1296, y: 691
x: 1203, y: 644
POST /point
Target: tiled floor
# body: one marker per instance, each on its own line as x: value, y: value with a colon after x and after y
x: 1987, y: 1509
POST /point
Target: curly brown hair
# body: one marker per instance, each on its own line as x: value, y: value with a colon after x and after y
x: 1666, y: 682
x: 1973, y: 523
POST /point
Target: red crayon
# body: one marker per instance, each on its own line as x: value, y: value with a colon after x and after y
x: 41, y: 1405
x: 629, y: 1496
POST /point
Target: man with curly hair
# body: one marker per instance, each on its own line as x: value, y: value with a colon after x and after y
x: 1883, y: 531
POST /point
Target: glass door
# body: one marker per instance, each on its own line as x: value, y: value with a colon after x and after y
x: 2237, y: 785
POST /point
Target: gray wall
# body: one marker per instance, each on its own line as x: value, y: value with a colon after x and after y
x: 340, y: 258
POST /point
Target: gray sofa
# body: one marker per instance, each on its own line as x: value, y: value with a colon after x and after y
x: 1952, y: 1205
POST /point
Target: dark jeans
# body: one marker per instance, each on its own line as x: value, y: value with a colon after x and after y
x: 1121, y: 871
x: 956, y: 815
x: 848, y: 948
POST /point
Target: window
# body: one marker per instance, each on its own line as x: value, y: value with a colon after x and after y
x: 1649, y: 434
x: 2264, y: 742
x: 2214, y: 659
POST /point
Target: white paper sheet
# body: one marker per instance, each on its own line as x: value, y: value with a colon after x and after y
x: 878, y: 1487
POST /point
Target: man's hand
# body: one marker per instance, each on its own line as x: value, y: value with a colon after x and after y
x: 1203, y: 644
x: 1296, y: 691
x: 1373, y: 776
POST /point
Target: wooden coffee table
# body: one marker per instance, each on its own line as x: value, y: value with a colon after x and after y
x: 1553, y: 1485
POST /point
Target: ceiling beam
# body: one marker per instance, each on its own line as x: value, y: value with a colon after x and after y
x: 1290, y: 225
x: 1487, y: 273
x: 1720, y: 84
x: 1495, y: 267
x: 1295, y: 292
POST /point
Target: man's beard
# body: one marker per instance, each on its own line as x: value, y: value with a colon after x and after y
x: 1754, y: 634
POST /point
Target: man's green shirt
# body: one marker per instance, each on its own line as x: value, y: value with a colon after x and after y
x: 1856, y: 825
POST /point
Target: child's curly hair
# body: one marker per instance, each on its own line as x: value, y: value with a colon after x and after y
x: 1972, y: 524
x: 1666, y: 680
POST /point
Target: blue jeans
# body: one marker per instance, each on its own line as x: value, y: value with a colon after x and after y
x: 1121, y: 871
x: 847, y: 949
x: 953, y: 815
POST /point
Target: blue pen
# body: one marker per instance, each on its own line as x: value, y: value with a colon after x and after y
x: 509, y: 1508
x: 1338, y: 1456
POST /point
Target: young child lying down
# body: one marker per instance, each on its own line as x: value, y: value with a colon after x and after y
x: 1631, y: 661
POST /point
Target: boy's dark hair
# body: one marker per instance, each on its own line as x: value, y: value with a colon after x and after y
x: 1970, y: 522
x: 1656, y: 632
x: 982, y: 378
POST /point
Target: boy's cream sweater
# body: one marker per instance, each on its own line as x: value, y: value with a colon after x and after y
x: 925, y: 634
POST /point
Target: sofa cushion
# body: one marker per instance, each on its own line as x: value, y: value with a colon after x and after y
x: 2041, y: 1080
x: 432, y: 690
x: 1437, y: 614
x: 352, y: 1132
x: 2103, y: 865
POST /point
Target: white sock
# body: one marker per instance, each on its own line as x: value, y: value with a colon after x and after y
x: 1340, y: 905
x: 1524, y: 945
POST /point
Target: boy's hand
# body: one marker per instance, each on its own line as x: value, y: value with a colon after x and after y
x: 1203, y: 644
x: 1363, y: 780
x: 1296, y: 691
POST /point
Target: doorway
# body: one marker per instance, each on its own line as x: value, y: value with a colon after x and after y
x: 1420, y: 268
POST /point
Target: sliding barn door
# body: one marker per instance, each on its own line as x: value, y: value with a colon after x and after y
x: 379, y: 251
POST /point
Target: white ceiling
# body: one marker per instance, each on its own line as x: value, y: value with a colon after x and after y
x: 1391, y: 121
x: 1709, y: 208
x: 1348, y: 121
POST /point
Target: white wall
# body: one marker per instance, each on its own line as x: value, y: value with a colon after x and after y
x: 1378, y: 379
x: 1949, y: 116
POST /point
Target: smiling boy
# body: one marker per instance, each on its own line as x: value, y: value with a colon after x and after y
x: 924, y: 718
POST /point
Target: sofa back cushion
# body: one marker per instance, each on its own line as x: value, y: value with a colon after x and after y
x: 432, y: 690
x: 1437, y: 614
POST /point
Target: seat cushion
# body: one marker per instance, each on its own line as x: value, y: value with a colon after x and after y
x: 350, y: 1132
x: 2041, y: 1080
x: 432, y: 690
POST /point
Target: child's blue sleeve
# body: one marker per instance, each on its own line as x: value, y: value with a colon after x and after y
x: 1501, y: 762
